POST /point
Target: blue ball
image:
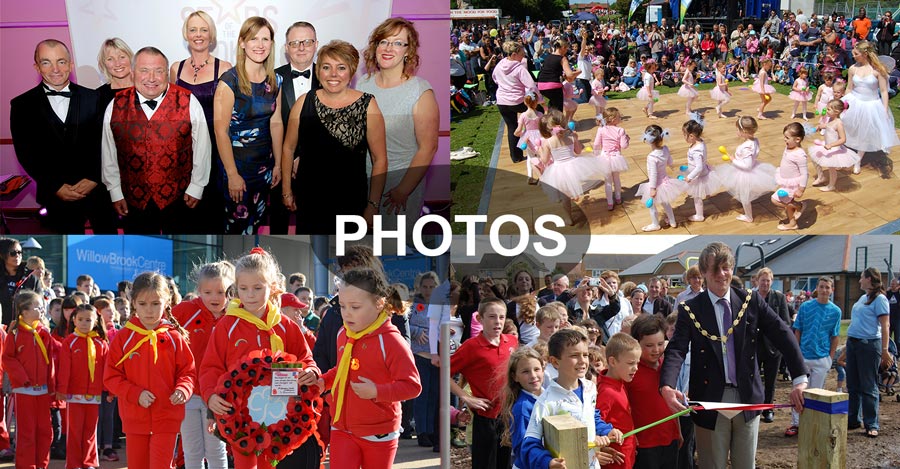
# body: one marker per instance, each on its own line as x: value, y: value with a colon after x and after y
x: 683, y: 168
x: 649, y: 202
x: 782, y: 193
x: 571, y: 125
x: 523, y: 146
x: 681, y: 177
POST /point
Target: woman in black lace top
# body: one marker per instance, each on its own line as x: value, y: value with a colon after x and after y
x: 331, y: 130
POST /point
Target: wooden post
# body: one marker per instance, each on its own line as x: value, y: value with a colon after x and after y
x: 566, y: 437
x: 823, y: 430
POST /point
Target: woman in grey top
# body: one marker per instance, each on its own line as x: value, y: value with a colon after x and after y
x: 410, y: 110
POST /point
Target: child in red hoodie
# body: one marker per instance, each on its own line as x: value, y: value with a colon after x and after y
x: 79, y: 382
x: 151, y: 369
x: 375, y: 373
x: 27, y: 360
x: 253, y: 322
x: 623, y: 353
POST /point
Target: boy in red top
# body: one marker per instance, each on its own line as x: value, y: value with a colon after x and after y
x: 375, y: 373
x: 482, y: 360
x: 657, y: 446
x: 79, y: 382
x: 27, y: 360
x: 622, y: 355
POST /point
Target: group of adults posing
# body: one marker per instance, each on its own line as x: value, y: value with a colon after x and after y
x: 199, y: 145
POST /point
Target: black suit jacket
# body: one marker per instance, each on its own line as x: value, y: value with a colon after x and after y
x: 778, y: 303
x: 288, y: 96
x: 707, y: 379
x: 53, y: 152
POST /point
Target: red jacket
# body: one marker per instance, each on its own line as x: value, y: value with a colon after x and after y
x: 173, y: 370
x: 385, y: 358
x: 24, y: 362
x: 73, y: 376
x: 233, y: 339
x: 612, y: 402
x: 196, y: 318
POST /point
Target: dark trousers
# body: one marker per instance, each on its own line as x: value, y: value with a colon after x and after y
x: 769, y: 366
x: 154, y: 220
x: 510, y: 118
x: 69, y: 217
x: 686, y: 452
x: 884, y: 47
x: 553, y: 98
x: 657, y: 457
x: 895, y: 323
x: 585, y: 87
x: 308, y: 455
x: 279, y: 215
x: 486, y: 450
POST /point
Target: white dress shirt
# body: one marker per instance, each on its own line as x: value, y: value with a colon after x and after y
x: 60, y: 104
x: 719, y: 309
x: 202, y: 149
x: 302, y: 85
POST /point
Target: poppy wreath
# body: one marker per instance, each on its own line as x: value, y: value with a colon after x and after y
x: 272, y: 440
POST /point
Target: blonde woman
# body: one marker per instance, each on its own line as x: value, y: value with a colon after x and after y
x: 114, y: 62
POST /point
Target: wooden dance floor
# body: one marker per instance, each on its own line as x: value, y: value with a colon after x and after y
x: 861, y: 203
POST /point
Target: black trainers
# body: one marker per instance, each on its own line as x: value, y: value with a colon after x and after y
x: 424, y: 439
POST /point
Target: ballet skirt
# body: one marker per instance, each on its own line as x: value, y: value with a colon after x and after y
x: 867, y: 126
x: 838, y: 157
x: 762, y: 86
x: 668, y: 190
x: 597, y: 100
x: 826, y: 94
x: 687, y: 89
x: 532, y: 133
x: 570, y: 175
x: 801, y: 96
x: 569, y: 104
x: 791, y: 175
x: 707, y: 182
x: 644, y: 94
x: 608, y: 149
x: 745, y: 178
x: 718, y: 94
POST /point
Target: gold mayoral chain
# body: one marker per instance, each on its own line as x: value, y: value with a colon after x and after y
x: 734, y: 324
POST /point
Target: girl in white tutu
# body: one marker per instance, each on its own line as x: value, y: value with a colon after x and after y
x: 762, y: 86
x: 825, y: 93
x: 791, y: 176
x: 648, y: 91
x: 868, y: 122
x: 720, y: 93
x: 569, y: 104
x: 746, y: 178
x: 702, y: 180
x: 831, y: 153
x: 800, y: 93
x: 660, y: 189
x: 608, y: 145
x: 570, y: 176
x: 598, y: 90
x: 687, y: 89
x: 529, y: 133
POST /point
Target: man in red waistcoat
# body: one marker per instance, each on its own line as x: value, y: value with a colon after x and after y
x: 156, y: 149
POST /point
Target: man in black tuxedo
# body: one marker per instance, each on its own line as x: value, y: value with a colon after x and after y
x: 299, y: 78
x: 56, y: 134
x: 726, y: 372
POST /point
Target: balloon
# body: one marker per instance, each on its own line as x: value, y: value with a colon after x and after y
x: 494, y: 32
x: 683, y: 168
x: 571, y: 125
x: 649, y: 202
x: 782, y: 193
x: 681, y: 177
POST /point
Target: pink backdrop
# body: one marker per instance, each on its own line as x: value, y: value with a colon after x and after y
x: 23, y: 24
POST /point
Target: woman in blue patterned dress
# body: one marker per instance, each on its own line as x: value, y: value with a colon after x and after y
x: 248, y: 128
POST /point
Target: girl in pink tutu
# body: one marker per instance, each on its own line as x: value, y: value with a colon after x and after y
x: 746, y: 178
x: 660, y: 189
x: 702, y: 180
x: 570, y: 176
x: 569, y: 104
x: 598, y: 90
x: 608, y: 145
x: 529, y: 133
x: 831, y: 154
x: 762, y: 86
x: 648, y: 91
x: 800, y: 93
x: 825, y: 93
x: 687, y: 89
x: 791, y: 176
x: 720, y: 92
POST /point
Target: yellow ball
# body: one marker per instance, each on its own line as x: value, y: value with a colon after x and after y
x: 768, y: 98
x: 493, y: 32
x: 587, y: 148
x: 726, y: 158
x: 722, y: 149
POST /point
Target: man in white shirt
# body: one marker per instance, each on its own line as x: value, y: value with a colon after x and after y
x: 156, y: 149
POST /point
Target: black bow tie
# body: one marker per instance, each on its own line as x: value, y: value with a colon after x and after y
x: 151, y: 103
x: 52, y: 92
x: 304, y: 74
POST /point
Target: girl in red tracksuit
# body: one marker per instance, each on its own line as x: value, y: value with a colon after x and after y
x: 199, y: 316
x: 27, y: 359
x: 151, y: 369
x: 247, y: 326
x: 375, y: 373
x: 79, y: 382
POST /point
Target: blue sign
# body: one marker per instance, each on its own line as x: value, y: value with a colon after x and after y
x: 111, y: 259
x: 405, y: 269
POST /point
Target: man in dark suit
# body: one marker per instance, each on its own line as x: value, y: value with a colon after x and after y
x: 56, y: 134
x: 769, y: 356
x: 299, y: 78
x: 656, y: 302
x: 559, y: 290
x: 725, y: 370
x: 546, y: 290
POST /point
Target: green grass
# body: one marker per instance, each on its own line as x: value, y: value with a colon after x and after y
x: 477, y: 129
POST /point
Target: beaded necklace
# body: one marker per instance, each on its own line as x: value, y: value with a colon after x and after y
x: 196, y: 68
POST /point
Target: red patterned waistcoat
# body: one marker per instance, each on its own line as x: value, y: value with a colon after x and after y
x: 155, y: 156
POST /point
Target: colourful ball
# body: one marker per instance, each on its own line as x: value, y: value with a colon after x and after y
x: 571, y: 125
x: 494, y: 32
x: 681, y: 177
x: 523, y: 146
x: 723, y: 150
x: 683, y: 168
x: 782, y: 193
x: 655, y: 100
x: 726, y: 158
x: 649, y: 202
x: 768, y: 98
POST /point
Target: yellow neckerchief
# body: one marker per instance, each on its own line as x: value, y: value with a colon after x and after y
x: 343, y: 371
x: 92, y: 350
x: 148, y: 334
x: 33, y: 328
x: 275, y: 342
